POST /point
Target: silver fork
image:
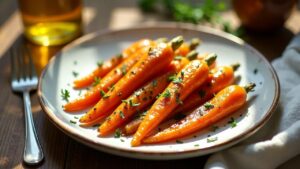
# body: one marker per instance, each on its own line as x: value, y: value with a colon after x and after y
x: 24, y: 80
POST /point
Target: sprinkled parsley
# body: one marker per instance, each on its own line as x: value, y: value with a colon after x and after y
x: 171, y: 77
x: 65, y: 94
x: 102, y: 93
x: 118, y: 133
x: 122, y: 115
x: 75, y: 74
x: 133, y: 104
x: 232, y: 122
x: 212, y: 139
x: 73, y: 122
x: 123, y: 69
x: 100, y: 63
x: 208, y: 106
x: 96, y: 81
x: 75, y: 117
x: 196, y: 145
x: 79, y: 93
x: 166, y: 94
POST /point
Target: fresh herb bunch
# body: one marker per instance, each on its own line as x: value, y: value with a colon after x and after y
x: 207, y: 12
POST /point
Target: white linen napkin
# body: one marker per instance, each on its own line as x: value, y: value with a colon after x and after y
x: 279, y: 140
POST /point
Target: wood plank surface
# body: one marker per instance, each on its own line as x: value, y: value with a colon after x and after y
x: 60, y: 150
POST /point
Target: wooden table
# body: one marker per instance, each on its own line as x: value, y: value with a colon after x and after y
x: 60, y: 150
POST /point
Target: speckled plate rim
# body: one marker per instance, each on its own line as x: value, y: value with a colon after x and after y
x: 166, y: 155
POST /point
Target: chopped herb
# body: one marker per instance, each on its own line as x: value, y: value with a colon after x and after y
x: 166, y: 94
x: 208, y: 106
x: 255, y: 71
x: 100, y: 63
x: 65, y: 94
x: 196, y: 145
x: 105, y: 96
x: 123, y: 69
x: 212, y: 139
x: 122, y: 115
x: 142, y: 115
x: 157, y: 96
x: 201, y: 93
x: 75, y: 62
x: 182, y: 74
x: 179, y: 141
x: 111, y: 88
x: 154, y: 83
x: 102, y: 93
x: 73, y: 122
x: 232, y: 122
x: 75, y: 117
x: 133, y: 104
x: 214, y: 128
x: 122, y: 140
x: 96, y: 81
x: 178, y: 57
x: 79, y: 93
x: 118, y: 133
x: 125, y: 101
x: 177, y: 80
x: 96, y: 125
x: 171, y: 77
x: 75, y: 74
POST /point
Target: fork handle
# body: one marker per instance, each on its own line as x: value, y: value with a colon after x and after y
x: 33, y: 153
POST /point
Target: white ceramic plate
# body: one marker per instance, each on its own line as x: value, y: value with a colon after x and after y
x: 82, y: 55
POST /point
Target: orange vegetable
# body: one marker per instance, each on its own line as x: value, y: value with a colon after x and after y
x: 218, y: 79
x: 95, y: 94
x: 223, y: 104
x: 190, y: 77
x: 141, y: 98
x: 104, y: 68
x: 141, y: 72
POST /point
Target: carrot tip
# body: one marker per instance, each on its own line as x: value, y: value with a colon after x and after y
x: 192, y: 55
x: 235, y: 66
x: 176, y: 42
x: 194, y: 43
x: 211, y: 58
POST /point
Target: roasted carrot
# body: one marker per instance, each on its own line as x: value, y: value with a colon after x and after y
x: 92, y: 96
x: 185, y: 48
x: 141, y: 98
x: 188, y: 79
x: 218, y: 79
x: 160, y: 56
x: 223, y: 104
x: 107, y: 66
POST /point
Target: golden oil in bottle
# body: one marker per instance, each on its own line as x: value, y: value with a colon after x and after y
x: 51, y: 22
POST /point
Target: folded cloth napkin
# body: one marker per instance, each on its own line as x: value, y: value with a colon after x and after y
x: 279, y: 140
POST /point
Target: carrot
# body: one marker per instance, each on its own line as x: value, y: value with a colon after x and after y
x: 96, y: 93
x: 185, y: 48
x: 142, y: 98
x: 141, y: 72
x: 218, y: 79
x: 189, y: 78
x: 223, y: 104
x: 104, y: 68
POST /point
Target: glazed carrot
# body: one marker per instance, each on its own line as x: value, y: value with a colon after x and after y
x: 223, y: 104
x: 92, y: 96
x: 104, y: 68
x: 149, y: 65
x: 190, y: 78
x: 185, y: 48
x: 141, y: 98
x: 218, y: 79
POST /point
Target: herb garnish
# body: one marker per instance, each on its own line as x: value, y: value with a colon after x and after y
x: 166, y: 94
x: 232, y: 122
x: 73, y: 122
x: 96, y: 81
x: 102, y: 93
x: 201, y: 93
x: 179, y: 141
x: 122, y: 115
x: 208, y: 106
x: 154, y: 83
x: 133, y: 104
x: 118, y: 133
x: 65, y: 94
x: 75, y: 74
x: 196, y: 145
x: 212, y: 139
x: 123, y: 69
x: 100, y: 63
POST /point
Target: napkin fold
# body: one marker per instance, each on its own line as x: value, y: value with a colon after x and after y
x: 279, y: 140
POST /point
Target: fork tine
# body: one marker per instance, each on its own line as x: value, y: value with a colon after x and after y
x: 31, y: 65
x: 20, y: 64
x: 14, y: 65
x: 26, y: 66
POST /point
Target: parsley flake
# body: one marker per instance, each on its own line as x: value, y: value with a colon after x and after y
x: 122, y: 115
x: 232, y: 122
x: 154, y: 83
x: 133, y: 104
x: 123, y: 69
x: 65, y: 94
x: 166, y: 94
x: 179, y: 141
x: 73, y: 122
x: 208, y: 106
x: 118, y: 133
x: 102, y: 93
x: 202, y: 93
x: 75, y: 74
x: 96, y: 81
